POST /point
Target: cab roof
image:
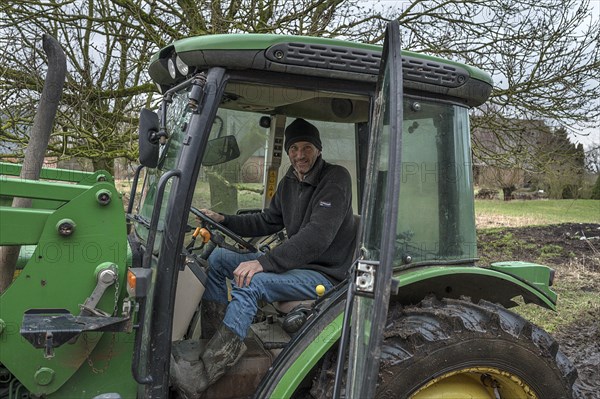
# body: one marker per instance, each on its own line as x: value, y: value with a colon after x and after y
x: 319, y: 57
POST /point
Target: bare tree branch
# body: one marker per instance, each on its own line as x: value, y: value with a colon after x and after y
x: 544, y: 57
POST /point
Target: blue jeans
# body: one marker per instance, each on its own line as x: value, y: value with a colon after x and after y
x: 298, y: 284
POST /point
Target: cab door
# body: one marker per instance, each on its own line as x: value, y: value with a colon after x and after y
x: 371, y: 285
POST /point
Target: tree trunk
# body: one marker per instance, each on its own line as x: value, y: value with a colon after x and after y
x: 104, y: 164
x: 507, y: 191
x: 38, y: 143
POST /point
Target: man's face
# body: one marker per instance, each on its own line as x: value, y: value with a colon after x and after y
x: 303, y: 156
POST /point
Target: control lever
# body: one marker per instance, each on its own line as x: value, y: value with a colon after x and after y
x: 106, y: 277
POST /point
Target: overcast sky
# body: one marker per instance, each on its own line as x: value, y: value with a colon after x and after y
x: 592, y: 135
x: 589, y: 137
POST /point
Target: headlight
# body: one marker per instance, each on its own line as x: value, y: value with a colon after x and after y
x: 181, y: 66
x: 171, y: 68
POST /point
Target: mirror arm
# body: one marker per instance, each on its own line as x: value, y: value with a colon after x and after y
x: 196, y: 95
x: 161, y: 136
x: 157, y: 137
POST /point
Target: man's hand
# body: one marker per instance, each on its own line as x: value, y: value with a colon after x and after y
x: 217, y: 217
x: 245, y: 271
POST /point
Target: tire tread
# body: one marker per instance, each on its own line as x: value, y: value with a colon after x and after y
x: 414, y: 330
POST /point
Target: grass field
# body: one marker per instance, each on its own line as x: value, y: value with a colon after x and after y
x: 553, y: 233
x: 517, y: 213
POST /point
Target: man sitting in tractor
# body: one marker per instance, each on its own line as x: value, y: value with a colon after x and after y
x: 313, y: 202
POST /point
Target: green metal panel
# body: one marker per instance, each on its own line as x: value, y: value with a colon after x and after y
x: 22, y: 226
x: 547, y: 297
x: 537, y: 275
x: 111, y: 359
x: 97, y: 176
x: 99, y: 236
x: 308, y: 359
x: 63, y: 175
x: 53, y: 191
x: 68, y: 175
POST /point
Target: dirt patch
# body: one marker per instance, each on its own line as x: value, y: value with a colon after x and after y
x: 571, y: 245
x: 580, y: 341
x: 573, y: 250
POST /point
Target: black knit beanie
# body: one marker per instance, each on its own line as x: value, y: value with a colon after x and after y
x: 301, y: 130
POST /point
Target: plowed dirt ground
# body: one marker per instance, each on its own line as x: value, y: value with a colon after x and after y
x: 573, y: 250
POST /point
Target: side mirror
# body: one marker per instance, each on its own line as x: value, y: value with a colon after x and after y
x: 148, y: 129
x: 220, y: 150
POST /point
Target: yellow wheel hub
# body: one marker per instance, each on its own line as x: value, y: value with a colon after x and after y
x: 476, y: 383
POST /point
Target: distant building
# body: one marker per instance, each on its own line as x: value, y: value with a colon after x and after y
x: 518, y: 153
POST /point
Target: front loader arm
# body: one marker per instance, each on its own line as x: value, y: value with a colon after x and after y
x: 74, y: 230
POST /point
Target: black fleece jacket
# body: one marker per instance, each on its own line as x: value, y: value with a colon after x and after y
x: 317, y: 214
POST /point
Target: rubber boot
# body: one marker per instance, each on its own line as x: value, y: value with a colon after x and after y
x: 188, y: 377
x: 212, y: 314
x: 191, y: 378
x: 223, y: 351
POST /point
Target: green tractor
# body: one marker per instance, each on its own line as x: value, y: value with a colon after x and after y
x: 102, y: 296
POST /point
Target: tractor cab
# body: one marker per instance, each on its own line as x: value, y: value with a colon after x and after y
x: 222, y: 122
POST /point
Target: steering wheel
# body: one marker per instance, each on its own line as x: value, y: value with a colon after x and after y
x: 239, y: 240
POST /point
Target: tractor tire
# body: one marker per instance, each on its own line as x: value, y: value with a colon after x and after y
x: 457, y: 349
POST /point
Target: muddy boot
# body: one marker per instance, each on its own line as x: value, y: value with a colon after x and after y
x: 188, y: 377
x: 191, y: 377
x: 222, y: 352
x: 212, y: 314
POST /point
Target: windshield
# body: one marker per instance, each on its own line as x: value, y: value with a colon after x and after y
x: 236, y: 184
x: 239, y: 185
x: 436, y: 209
